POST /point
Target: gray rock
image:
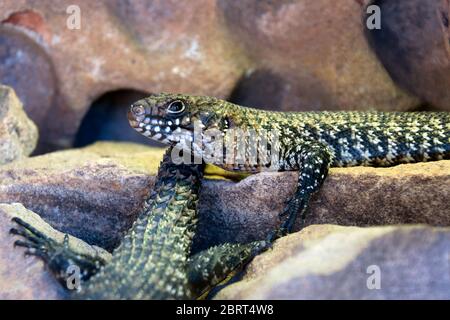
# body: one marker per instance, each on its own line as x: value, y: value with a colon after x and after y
x: 406, y: 47
x: 333, y: 262
x: 18, y: 134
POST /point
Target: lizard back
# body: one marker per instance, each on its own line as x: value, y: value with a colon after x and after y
x: 359, y: 138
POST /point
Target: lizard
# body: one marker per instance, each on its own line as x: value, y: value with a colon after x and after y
x: 154, y: 259
x: 307, y: 142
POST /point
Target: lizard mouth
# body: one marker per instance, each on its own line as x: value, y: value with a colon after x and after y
x: 160, y: 129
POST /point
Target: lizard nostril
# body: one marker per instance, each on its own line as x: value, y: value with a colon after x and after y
x: 138, y: 110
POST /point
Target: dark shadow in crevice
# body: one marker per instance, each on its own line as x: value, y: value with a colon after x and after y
x: 106, y: 120
x: 261, y: 89
x: 426, y: 107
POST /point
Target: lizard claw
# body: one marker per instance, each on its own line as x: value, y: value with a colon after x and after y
x: 56, y: 254
x: 35, y: 242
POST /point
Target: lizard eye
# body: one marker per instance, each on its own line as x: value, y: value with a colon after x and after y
x: 175, y: 107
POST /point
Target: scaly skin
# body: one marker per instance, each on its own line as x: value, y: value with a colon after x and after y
x: 153, y: 260
x: 308, y: 142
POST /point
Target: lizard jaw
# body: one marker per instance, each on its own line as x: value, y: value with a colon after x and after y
x: 160, y: 129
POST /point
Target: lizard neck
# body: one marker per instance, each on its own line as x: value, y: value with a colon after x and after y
x: 152, y: 259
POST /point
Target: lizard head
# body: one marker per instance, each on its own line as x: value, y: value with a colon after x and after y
x: 168, y: 117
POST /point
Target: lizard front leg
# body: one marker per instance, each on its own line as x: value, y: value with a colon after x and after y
x: 312, y: 159
x: 57, y: 255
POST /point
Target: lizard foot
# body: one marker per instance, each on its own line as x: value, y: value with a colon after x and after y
x: 62, y: 261
x: 36, y: 242
x: 288, y: 217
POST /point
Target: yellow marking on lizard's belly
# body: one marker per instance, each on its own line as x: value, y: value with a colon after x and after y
x: 217, y: 173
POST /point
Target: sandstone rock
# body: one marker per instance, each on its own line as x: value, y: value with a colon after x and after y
x: 359, y: 196
x: 25, y: 277
x: 26, y: 67
x: 294, y: 55
x: 413, y: 44
x: 310, y: 55
x: 18, y: 134
x: 93, y: 193
x: 331, y: 262
x: 148, y: 46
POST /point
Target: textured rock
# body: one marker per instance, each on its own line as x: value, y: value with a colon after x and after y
x: 414, y: 46
x: 25, y: 277
x: 93, y: 194
x: 142, y: 45
x: 26, y: 67
x: 332, y: 262
x: 359, y: 196
x: 294, y: 55
x: 18, y: 134
x: 310, y: 55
